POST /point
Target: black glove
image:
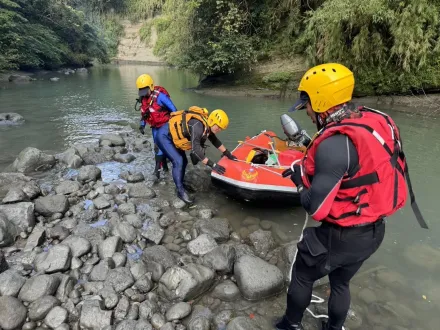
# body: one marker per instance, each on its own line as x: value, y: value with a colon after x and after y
x: 216, y: 167
x: 142, y: 129
x: 228, y: 154
x: 295, y: 176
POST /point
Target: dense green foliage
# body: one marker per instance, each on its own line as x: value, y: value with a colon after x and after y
x: 52, y: 33
x: 392, y: 46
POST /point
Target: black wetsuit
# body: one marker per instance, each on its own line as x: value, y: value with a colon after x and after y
x: 350, y: 247
x: 199, y: 137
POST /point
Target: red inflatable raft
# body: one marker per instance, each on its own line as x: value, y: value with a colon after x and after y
x: 257, y: 173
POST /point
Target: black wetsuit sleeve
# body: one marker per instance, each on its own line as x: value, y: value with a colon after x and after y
x: 196, y: 130
x: 214, y: 140
x: 335, y: 157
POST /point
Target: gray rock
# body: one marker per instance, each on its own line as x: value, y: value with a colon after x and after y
x: 153, y: 232
x: 199, y: 323
x: 168, y: 326
x: 423, y: 256
x: 144, y: 284
x: 256, y: 278
x: 202, y: 245
x: 198, y: 180
x: 289, y: 253
x: 126, y: 209
x: 178, y: 311
x: 159, y: 254
x: 108, y: 247
x: 223, y: 318
x: 18, y: 180
x: 157, y: 320
x: 32, y: 160
x: 140, y: 190
x: 217, y: 228
x: 12, y: 313
x: 10, y: 283
x: 246, y: 323
x: 93, y: 316
x: 122, y: 308
x: 29, y: 326
x: 101, y: 270
x: 205, y: 214
x: 138, y: 270
x: 67, y: 187
x: 185, y: 283
x: 135, y: 177
x: 266, y: 225
x: 66, y: 286
x: 120, y: 279
x: 178, y: 203
x: 20, y: 214
x: 39, y: 286
x: 49, y: 205
x: 262, y: 241
x: 10, y: 118
x: 226, y: 291
x: 120, y: 259
x: 87, y: 216
x: 220, y: 259
x: 89, y: 173
x: 124, y: 158
x: 101, y: 203
x: 112, y: 189
x: 167, y: 219
x: 41, y: 307
x: 36, y: 238
x: 56, y: 317
x: 15, y: 195
x: 147, y: 309
x: 57, y: 233
x: 126, y: 231
x: 156, y: 270
x: 115, y: 139
x: 19, y: 78
x: 134, y: 220
x: 134, y: 325
x: 111, y: 298
x: 70, y: 158
x: 79, y: 246
x: 63, y: 326
x: 243, y: 250
x: 8, y: 232
x: 56, y: 260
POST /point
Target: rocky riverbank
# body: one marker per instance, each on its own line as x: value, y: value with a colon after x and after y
x: 84, y: 247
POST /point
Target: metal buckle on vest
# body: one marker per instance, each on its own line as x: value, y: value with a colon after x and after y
x: 357, y: 198
x: 358, y: 211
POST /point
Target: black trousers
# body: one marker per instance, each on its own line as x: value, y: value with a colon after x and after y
x: 334, y: 251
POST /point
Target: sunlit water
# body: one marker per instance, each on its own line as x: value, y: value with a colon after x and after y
x: 78, y: 108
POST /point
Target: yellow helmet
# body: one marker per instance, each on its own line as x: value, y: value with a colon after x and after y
x: 325, y: 86
x: 218, y: 117
x: 144, y: 81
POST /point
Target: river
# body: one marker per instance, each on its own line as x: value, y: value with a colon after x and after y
x: 78, y: 108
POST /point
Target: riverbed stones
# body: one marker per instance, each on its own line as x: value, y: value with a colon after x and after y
x: 124, y: 158
x: 178, y: 311
x: 247, y: 323
x: 185, y: 283
x: 157, y: 321
x: 101, y: 203
x: 120, y: 279
x: 31, y: 160
x: 93, y: 316
x: 423, y: 256
x: 70, y: 158
x: 89, y: 173
x: 220, y: 259
x: 20, y: 214
x: 15, y: 195
x: 147, y: 309
x: 67, y: 187
x: 56, y: 317
x: 153, y: 232
x: 217, y: 228
x: 160, y: 255
x: 167, y: 219
x: 108, y: 247
x: 8, y: 231
x: 126, y: 231
x: 226, y: 291
x: 140, y: 190
x: 41, y: 307
x: 12, y: 313
x: 202, y: 245
x: 50, y: 205
x: 39, y: 286
x: 101, y: 270
x: 18, y: 180
x: 115, y: 140
x: 10, y: 118
x: 262, y: 241
x: 57, y: 259
x: 256, y: 278
x: 79, y: 246
x: 10, y: 283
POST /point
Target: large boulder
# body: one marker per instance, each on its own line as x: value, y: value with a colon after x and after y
x: 8, y: 231
x: 49, y: 205
x: 256, y: 278
x: 67, y: 187
x: 220, y: 259
x: 89, y: 173
x: 185, y: 283
x: 32, y: 160
x: 18, y: 181
x: 70, y: 158
x: 20, y: 214
x: 39, y: 286
x: 10, y: 118
x: 198, y: 179
x: 113, y: 140
x: 57, y: 259
x: 12, y: 313
x: 217, y: 228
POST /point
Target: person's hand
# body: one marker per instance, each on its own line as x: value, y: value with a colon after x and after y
x: 142, y: 129
x: 216, y: 167
x: 228, y: 154
x: 295, y: 176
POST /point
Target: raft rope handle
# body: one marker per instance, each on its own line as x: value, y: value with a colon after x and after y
x: 317, y: 299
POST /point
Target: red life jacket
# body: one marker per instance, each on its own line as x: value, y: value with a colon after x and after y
x: 378, y: 189
x: 154, y: 114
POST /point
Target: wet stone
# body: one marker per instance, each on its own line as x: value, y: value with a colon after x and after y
x: 178, y: 311
x: 202, y: 245
x: 266, y: 225
x: 12, y: 313
x: 39, y: 286
x: 134, y: 220
x: 109, y: 247
x: 41, y: 307
x: 217, y: 228
x: 78, y: 246
x: 205, y: 214
x: 178, y: 203
x: 157, y: 320
x: 57, y: 259
x: 56, y: 317
x: 226, y: 291
x: 135, y: 177
x: 49, y: 205
x: 147, y: 309
x: 15, y: 195
x: 160, y: 255
x: 101, y: 270
x: 11, y: 282
x: 36, y: 238
x: 67, y: 187
x: 167, y: 219
x: 58, y: 232
x: 101, y: 203
x: 140, y: 190
x: 93, y: 316
x: 126, y: 209
x: 127, y: 232
x: 199, y: 323
x: 89, y: 173
x: 153, y: 232
x: 120, y: 259
x: 168, y: 326
x: 87, y: 216
x: 220, y: 258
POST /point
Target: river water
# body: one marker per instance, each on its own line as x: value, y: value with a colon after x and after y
x: 78, y: 108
